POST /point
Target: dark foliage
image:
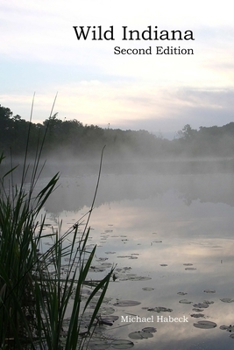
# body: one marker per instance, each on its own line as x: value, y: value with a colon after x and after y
x: 79, y: 140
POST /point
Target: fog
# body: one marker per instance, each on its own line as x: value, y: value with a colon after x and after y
x: 206, y: 180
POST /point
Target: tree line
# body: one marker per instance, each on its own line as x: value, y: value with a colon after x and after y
x: 72, y: 137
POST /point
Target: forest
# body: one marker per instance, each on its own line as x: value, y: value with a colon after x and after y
x: 72, y: 137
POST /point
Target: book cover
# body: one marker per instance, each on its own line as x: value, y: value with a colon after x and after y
x: 150, y: 84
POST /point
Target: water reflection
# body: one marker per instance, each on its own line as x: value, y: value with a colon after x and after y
x: 175, y: 230
x: 75, y: 192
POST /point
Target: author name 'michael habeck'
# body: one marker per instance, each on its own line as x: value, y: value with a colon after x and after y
x: 163, y: 319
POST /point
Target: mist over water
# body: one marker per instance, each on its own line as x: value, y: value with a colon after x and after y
x: 206, y: 180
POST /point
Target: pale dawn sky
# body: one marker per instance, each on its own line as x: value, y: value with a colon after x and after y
x: 40, y: 53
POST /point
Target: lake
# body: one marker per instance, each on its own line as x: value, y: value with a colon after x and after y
x: 171, y: 237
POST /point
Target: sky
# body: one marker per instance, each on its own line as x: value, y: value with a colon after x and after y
x: 40, y: 53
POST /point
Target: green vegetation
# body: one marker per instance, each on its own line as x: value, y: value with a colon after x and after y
x: 41, y: 301
x: 79, y: 141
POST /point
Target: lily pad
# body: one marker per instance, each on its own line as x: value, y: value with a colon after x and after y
x: 223, y: 327
x: 108, y: 320
x: 97, y: 268
x: 203, y: 305
x: 205, y: 324
x: 99, y: 344
x: 209, y: 291
x: 227, y: 300
x: 149, y: 329
x: 102, y: 259
x: 160, y: 309
x: 197, y: 315
x: 197, y: 310
x: 124, y: 303
x: 182, y: 293
x: 227, y: 328
x: 106, y: 265
x: 122, y: 344
x: 140, y: 278
x: 185, y: 301
x: 132, y: 277
x: 140, y: 335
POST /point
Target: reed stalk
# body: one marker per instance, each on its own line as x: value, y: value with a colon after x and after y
x: 41, y: 302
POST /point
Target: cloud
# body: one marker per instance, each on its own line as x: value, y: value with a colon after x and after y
x: 211, y: 98
x: 127, y: 106
x: 40, y: 52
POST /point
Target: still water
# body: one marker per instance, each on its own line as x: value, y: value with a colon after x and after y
x: 171, y: 238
